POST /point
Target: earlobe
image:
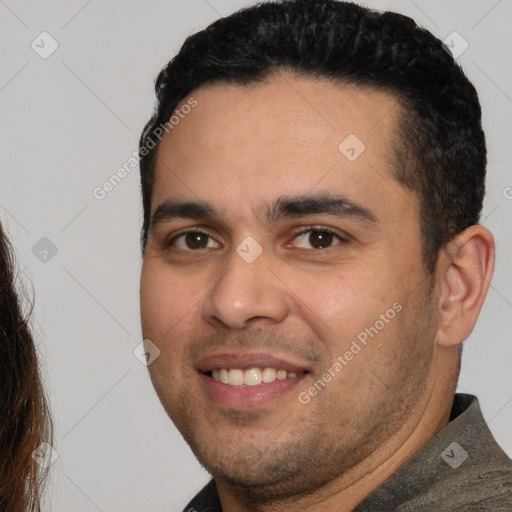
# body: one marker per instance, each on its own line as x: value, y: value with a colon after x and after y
x: 465, y: 268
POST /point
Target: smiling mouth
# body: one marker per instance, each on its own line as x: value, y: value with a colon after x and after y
x: 251, y: 377
x: 248, y: 380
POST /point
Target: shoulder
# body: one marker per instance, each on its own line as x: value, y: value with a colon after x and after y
x: 480, y: 487
x: 472, y: 473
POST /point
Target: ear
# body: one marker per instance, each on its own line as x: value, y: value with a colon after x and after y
x: 464, y: 273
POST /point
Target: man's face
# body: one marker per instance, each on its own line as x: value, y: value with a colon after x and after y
x: 273, y: 277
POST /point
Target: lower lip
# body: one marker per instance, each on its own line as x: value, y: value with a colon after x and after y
x: 250, y: 397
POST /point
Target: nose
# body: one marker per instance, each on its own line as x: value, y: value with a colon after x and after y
x: 245, y: 293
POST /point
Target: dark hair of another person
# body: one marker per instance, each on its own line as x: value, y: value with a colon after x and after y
x: 439, y: 151
x: 24, y: 416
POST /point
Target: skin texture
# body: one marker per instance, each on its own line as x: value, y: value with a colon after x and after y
x: 239, y: 149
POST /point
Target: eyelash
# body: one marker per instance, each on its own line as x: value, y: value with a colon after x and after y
x: 309, y: 229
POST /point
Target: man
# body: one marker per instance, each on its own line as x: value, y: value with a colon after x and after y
x: 312, y: 181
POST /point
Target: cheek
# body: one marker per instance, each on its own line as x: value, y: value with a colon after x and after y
x: 152, y: 301
x: 164, y: 301
x: 164, y: 307
x: 343, y: 304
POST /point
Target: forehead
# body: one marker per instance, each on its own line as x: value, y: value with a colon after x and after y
x: 287, y: 135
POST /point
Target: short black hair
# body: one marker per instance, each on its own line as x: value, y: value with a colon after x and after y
x: 439, y: 151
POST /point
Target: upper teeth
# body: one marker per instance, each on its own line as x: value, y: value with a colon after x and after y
x: 251, y: 377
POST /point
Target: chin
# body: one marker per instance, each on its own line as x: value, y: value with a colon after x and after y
x: 268, y: 470
x: 260, y: 482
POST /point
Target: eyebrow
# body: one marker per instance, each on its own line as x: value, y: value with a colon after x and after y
x: 281, y: 208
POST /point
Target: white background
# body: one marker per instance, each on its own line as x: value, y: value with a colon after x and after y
x: 68, y: 123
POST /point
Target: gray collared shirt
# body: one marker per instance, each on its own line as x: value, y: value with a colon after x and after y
x: 461, y: 469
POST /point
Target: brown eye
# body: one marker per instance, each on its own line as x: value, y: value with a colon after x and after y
x: 320, y: 239
x: 196, y: 240
x: 317, y: 239
x: 193, y: 240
